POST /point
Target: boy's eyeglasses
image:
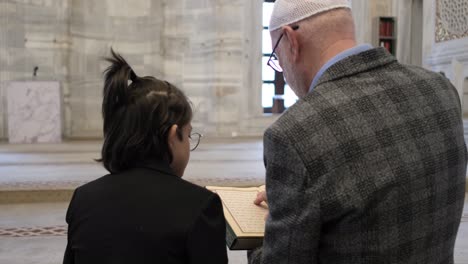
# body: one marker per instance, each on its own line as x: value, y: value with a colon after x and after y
x: 194, y: 140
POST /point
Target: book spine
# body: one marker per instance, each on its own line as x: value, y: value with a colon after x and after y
x: 387, y: 46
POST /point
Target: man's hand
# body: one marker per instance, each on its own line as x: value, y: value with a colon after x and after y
x: 261, y: 197
x: 261, y: 200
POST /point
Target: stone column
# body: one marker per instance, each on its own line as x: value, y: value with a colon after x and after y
x: 363, y: 20
x: 208, y: 55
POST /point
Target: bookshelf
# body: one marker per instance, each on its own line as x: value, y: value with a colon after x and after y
x: 387, y: 33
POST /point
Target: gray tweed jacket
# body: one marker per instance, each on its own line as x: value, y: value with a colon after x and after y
x: 368, y: 168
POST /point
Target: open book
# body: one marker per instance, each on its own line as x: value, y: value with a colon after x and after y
x: 245, y: 220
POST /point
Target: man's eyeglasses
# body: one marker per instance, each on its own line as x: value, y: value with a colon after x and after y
x: 273, y: 61
x: 194, y: 140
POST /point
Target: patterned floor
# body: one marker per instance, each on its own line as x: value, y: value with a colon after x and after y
x: 34, y: 231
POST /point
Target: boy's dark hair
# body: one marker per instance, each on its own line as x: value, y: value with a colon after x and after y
x: 138, y: 116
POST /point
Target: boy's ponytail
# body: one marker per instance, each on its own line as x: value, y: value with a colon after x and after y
x: 116, y: 88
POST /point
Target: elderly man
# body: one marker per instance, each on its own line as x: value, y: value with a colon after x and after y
x: 369, y: 165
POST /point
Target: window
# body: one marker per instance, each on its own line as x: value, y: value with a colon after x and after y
x: 276, y: 94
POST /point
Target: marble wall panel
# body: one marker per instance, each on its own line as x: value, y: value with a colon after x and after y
x: 211, y: 49
x: 33, y: 33
x: 34, y: 112
x: 137, y: 8
x: 133, y: 29
x: 205, y: 43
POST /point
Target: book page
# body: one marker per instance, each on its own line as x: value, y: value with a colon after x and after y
x: 239, y: 202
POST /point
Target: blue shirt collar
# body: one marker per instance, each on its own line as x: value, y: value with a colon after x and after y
x: 337, y: 58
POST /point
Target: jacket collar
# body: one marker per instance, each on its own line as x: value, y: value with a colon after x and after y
x: 341, y: 56
x: 358, y: 63
x: 157, y: 165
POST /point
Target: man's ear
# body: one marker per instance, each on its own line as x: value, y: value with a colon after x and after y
x: 172, y: 136
x: 292, y: 37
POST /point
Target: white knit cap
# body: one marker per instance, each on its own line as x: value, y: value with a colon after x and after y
x: 286, y: 12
